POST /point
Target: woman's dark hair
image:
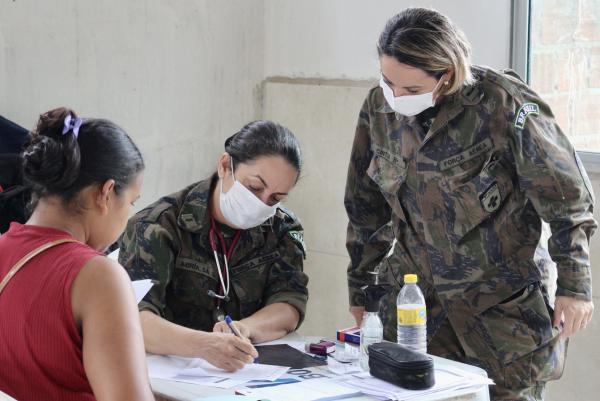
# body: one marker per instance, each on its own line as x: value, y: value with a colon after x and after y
x: 264, y: 138
x: 63, y: 164
x: 428, y: 40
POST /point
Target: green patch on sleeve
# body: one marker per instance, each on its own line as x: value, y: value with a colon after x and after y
x: 524, y: 111
x: 298, y: 238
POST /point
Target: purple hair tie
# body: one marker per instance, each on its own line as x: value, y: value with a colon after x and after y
x: 72, y: 124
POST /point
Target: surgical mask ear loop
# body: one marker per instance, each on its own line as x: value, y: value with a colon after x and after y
x: 232, y: 174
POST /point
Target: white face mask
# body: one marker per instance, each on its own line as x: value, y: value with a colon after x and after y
x: 242, y: 208
x: 409, y: 105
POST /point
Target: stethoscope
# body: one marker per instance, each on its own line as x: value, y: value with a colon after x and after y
x: 223, y: 271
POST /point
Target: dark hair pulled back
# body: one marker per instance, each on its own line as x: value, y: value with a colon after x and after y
x: 63, y: 164
x: 264, y: 138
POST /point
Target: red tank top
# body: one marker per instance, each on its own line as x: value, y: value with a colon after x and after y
x: 40, y: 344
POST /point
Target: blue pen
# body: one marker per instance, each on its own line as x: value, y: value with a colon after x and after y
x: 232, y: 327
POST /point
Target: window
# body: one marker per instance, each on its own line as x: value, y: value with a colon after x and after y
x: 561, y: 45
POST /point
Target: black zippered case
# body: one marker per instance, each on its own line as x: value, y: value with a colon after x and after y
x: 401, y: 366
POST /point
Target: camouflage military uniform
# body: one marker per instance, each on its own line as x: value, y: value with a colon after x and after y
x: 464, y: 195
x: 169, y: 242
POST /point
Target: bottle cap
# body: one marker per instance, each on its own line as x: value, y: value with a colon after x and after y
x: 410, y: 278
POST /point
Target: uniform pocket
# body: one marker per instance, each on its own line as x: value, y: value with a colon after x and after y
x: 479, y: 197
x: 543, y: 364
x: 192, y: 280
x: 389, y: 177
x: 518, y: 325
x: 249, y: 281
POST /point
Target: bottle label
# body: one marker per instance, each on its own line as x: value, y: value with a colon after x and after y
x: 412, y: 316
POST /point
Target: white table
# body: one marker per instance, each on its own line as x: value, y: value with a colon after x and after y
x: 166, y: 390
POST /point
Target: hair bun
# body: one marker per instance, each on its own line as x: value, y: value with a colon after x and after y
x: 51, y: 161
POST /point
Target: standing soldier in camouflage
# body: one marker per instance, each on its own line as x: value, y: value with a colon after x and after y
x: 460, y: 165
x: 223, y: 246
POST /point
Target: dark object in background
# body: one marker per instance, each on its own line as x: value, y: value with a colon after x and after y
x: 12, y: 137
x: 401, y: 366
x: 14, y: 195
x: 285, y: 355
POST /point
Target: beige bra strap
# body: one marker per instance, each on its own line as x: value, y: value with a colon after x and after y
x: 30, y: 256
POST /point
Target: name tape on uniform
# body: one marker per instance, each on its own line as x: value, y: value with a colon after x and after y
x: 467, y: 155
x: 388, y: 156
x: 253, y: 263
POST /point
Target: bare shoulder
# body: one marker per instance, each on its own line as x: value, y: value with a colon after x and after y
x: 100, y: 282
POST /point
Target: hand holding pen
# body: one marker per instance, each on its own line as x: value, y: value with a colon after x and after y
x: 226, y: 351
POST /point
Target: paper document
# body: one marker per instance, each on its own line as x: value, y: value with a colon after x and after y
x: 114, y: 255
x: 309, y: 390
x: 141, y: 288
x: 446, y: 380
x: 184, y: 369
x: 253, y: 371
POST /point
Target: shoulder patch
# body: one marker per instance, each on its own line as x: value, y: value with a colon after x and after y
x: 491, y: 198
x: 298, y: 238
x: 525, y: 110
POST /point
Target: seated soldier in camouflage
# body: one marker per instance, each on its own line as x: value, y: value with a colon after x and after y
x: 460, y: 164
x: 223, y: 246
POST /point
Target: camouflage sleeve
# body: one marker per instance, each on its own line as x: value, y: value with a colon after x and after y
x: 554, y: 180
x: 147, y: 253
x: 369, y: 235
x: 287, y: 281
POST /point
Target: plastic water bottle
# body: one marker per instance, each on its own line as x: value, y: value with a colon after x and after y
x: 412, y: 316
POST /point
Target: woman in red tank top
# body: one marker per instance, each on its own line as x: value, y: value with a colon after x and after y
x: 69, y: 326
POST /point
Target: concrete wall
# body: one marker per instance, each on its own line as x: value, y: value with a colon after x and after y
x: 179, y: 75
x: 336, y: 38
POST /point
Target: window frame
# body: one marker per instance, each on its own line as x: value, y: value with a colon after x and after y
x: 520, y: 61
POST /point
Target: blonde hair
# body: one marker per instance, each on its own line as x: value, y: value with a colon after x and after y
x: 428, y: 40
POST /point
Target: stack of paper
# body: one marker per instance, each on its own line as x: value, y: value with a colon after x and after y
x: 198, y: 371
x: 446, y: 379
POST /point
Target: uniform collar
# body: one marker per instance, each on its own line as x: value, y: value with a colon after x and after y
x: 453, y: 105
x: 450, y: 107
x: 381, y: 105
x: 193, y: 215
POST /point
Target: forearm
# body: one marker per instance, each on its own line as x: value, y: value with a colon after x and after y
x: 272, y: 322
x: 167, y: 338
x: 569, y: 249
